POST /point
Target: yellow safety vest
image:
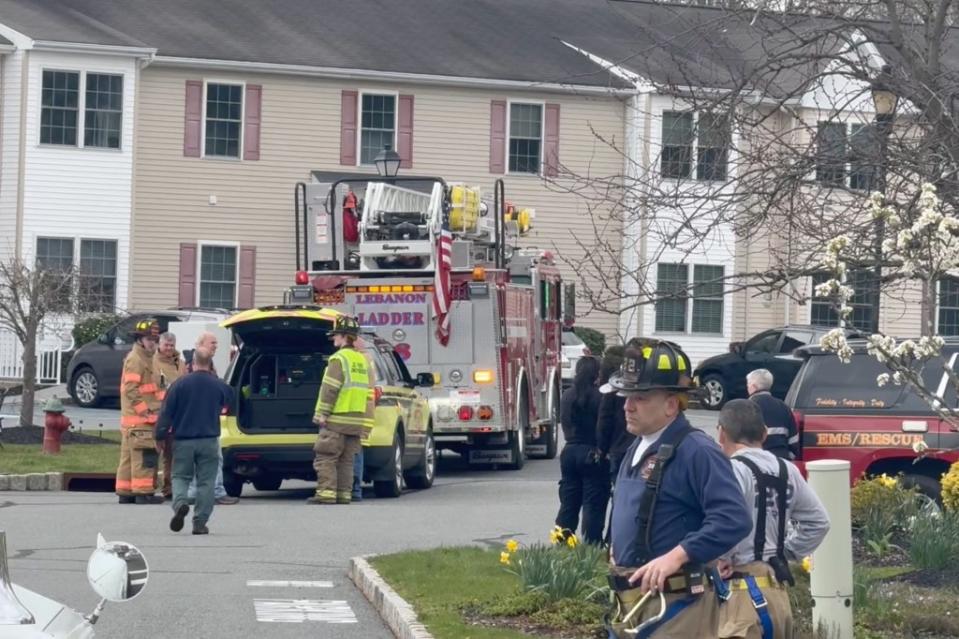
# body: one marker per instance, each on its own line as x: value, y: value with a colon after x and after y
x: 356, y: 382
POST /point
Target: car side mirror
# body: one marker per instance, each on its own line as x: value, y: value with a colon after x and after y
x: 425, y: 380
x: 737, y: 347
x: 117, y: 571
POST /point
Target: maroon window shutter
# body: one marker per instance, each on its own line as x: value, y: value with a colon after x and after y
x: 244, y: 298
x: 404, y: 133
x: 251, y: 122
x: 497, y: 136
x: 551, y: 143
x: 348, y: 128
x: 193, y: 118
x: 187, y: 291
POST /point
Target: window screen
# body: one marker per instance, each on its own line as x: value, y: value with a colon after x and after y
x: 677, y: 144
x: 378, y: 121
x: 224, y: 112
x: 98, y: 276
x: 60, y: 104
x: 525, y: 137
x: 103, y: 113
x: 218, y: 277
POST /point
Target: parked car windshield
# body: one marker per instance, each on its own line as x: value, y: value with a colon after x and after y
x: 826, y: 382
x: 571, y: 339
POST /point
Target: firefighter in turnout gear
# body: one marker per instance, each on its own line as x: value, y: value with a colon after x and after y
x: 676, y: 509
x: 139, y: 405
x: 776, y: 493
x: 169, y: 365
x: 344, y: 413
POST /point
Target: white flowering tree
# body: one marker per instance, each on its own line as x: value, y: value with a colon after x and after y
x: 922, y: 244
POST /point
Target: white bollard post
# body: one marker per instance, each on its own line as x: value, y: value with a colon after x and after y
x: 831, y: 577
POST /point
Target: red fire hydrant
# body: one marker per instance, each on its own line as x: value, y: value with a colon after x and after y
x: 54, y: 425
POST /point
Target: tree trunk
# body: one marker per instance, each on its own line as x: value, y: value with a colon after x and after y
x: 29, y: 377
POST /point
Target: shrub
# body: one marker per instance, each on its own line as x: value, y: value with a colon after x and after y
x: 566, y: 569
x: 950, y: 488
x: 595, y: 341
x: 89, y: 328
x: 934, y: 540
x: 881, y: 507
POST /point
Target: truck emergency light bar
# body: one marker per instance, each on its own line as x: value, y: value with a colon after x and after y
x: 401, y: 288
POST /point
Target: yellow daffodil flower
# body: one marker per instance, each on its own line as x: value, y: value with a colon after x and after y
x: 512, y: 546
x: 887, y: 481
x: 807, y: 564
x: 571, y: 541
x: 504, y: 558
x: 555, y: 535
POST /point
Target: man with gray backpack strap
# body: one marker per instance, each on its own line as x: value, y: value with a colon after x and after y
x: 779, y: 499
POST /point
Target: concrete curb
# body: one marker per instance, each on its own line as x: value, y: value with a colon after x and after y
x: 395, y: 611
x: 32, y: 481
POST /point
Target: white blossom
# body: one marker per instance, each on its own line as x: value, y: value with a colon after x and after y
x: 882, y: 379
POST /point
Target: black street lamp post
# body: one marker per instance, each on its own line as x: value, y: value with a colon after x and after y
x: 387, y: 162
x: 885, y: 100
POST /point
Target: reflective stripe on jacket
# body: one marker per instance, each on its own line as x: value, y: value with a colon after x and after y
x: 138, y: 390
x: 345, y: 403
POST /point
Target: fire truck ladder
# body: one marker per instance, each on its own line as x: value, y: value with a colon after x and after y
x: 399, y: 227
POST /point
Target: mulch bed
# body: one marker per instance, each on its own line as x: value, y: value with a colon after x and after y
x: 863, y: 555
x: 34, y: 435
x: 945, y: 578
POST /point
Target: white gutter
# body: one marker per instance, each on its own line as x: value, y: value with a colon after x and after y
x: 7, y: 48
x: 101, y: 49
x: 386, y: 76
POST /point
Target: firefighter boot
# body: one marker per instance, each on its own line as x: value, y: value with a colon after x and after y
x: 149, y: 499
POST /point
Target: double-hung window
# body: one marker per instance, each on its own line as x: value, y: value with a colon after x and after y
x: 218, y: 276
x: 948, y: 306
x: 65, y: 95
x: 377, y: 125
x: 699, y: 140
x: 224, y: 119
x: 686, y: 306
x: 55, y: 255
x: 525, y: 138
x: 823, y: 309
x: 847, y: 155
x: 98, y: 276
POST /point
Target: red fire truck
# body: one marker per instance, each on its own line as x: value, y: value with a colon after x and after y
x: 423, y: 250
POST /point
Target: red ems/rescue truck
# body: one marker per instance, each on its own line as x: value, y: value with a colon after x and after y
x: 437, y: 272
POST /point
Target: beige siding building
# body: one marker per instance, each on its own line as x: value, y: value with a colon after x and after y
x: 239, y: 212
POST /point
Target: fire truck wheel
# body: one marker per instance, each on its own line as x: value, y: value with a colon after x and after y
x: 422, y: 475
x: 517, y: 438
x: 393, y: 487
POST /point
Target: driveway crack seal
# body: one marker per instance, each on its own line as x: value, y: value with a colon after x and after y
x: 395, y: 611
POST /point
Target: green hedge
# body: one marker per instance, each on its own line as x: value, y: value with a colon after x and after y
x: 89, y: 328
x: 595, y: 341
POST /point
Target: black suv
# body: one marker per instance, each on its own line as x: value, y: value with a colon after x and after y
x: 94, y: 370
x: 723, y: 377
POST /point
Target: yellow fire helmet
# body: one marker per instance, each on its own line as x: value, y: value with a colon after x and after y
x: 650, y: 364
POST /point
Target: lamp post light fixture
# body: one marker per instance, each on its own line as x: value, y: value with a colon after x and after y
x: 884, y: 100
x: 387, y: 162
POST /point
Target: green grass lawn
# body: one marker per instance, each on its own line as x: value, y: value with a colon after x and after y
x: 440, y: 583
x: 73, y: 458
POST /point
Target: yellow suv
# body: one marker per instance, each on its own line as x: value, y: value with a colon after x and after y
x: 268, y: 433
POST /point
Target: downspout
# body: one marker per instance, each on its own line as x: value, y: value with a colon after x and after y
x: 22, y: 160
x: 644, y: 223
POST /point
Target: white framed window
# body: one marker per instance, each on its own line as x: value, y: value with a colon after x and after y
x: 684, y: 306
x: 695, y: 145
x: 93, y: 269
x: 218, y: 266
x: 847, y: 155
x: 524, y: 134
x: 378, y: 123
x: 223, y: 119
x: 74, y: 101
x: 822, y: 310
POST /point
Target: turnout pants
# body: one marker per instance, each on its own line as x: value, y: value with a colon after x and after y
x: 584, y: 484
x: 739, y: 617
x: 698, y: 618
x: 137, y: 472
x: 196, y: 458
x: 333, y: 463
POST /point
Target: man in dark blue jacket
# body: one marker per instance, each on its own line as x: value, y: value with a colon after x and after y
x: 782, y: 436
x: 677, y: 506
x: 192, y: 411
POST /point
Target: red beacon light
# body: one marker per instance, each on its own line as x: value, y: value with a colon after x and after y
x: 302, y: 277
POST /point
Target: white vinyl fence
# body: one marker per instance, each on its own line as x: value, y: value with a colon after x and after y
x: 49, y: 356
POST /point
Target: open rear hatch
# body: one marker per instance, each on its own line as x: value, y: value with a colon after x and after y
x: 277, y: 374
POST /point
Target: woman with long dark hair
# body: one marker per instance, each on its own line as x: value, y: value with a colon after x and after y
x: 584, y: 482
